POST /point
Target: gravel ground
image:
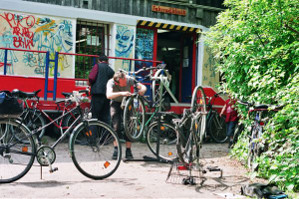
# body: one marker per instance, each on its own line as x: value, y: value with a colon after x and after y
x: 133, y: 179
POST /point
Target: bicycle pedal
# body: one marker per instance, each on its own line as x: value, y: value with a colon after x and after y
x: 53, y: 170
x: 211, y: 169
x: 188, y: 181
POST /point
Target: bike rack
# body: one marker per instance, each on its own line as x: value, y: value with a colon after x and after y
x: 185, y: 174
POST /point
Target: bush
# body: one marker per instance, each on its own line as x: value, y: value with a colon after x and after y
x: 256, y: 43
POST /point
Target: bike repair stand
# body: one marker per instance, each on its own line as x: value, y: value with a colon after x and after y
x: 157, y: 158
x: 184, y: 173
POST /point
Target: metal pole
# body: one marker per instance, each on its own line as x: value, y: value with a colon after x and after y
x: 130, y: 65
x: 94, y: 61
x: 46, y: 75
x: 5, y: 61
x: 55, y: 75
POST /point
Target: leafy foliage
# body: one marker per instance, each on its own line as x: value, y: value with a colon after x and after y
x: 256, y: 42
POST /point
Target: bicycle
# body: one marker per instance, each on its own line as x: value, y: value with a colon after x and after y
x: 256, y: 143
x: 160, y: 136
x: 216, y: 126
x: 31, y: 117
x: 34, y: 115
x: 19, y: 146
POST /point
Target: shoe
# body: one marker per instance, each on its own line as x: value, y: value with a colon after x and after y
x: 230, y: 144
x: 115, y: 154
x: 129, y: 155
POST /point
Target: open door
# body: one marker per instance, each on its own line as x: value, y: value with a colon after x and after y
x: 177, y: 50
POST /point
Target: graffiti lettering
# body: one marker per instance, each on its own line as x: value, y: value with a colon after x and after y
x: 17, y: 20
x: 23, y: 37
x: 29, y: 32
x: 22, y: 42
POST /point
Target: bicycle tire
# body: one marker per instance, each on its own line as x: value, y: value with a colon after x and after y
x: 217, y: 128
x: 198, y: 101
x: 188, y: 151
x: 94, y: 158
x: 200, y: 127
x: 167, y: 144
x: 134, y: 118
x: 16, y: 154
x: 34, y: 119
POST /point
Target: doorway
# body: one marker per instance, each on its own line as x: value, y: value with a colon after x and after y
x: 176, y: 49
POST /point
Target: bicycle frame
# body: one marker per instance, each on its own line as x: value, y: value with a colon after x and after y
x: 165, y: 83
x: 65, y: 108
x: 35, y: 131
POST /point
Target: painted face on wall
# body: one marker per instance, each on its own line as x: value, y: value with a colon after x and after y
x: 7, y: 38
x: 124, y: 41
x: 64, y: 36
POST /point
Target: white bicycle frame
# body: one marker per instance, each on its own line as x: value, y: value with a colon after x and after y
x: 165, y: 82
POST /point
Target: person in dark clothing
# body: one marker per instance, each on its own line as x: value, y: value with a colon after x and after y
x: 98, y: 78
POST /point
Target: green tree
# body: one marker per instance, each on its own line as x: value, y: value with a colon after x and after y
x: 256, y: 42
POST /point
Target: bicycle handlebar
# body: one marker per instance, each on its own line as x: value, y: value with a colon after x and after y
x: 143, y: 69
x: 86, y: 91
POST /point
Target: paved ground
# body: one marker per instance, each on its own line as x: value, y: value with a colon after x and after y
x: 132, y: 180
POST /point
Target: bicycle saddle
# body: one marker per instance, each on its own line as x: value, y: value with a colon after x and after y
x: 22, y: 94
x: 66, y: 95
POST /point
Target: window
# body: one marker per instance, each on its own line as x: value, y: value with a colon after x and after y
x: 90, y: 40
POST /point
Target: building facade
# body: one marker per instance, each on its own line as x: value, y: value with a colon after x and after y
x: 164, y: 30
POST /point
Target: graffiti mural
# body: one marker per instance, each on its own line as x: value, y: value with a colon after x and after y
x: 31, y: 32
x: 124, y: 44
x: 144, y: 47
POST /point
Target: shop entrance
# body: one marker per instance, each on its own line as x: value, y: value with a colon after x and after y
x: 176, y: 50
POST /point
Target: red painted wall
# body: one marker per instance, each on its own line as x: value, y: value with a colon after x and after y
x: 30, y: 84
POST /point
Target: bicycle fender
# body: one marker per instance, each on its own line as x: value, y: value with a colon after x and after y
x: 78, y: 126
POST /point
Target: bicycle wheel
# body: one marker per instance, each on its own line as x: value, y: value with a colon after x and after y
x: 33, y: 119
x: 71, y: 117
x: 189, y: 153
x: 94, y: 159
x: 68, y: 121
x: 167, y: 140
x: 17, y: 150
x: 200, y: 127
x: 198, y: 101
x: 217, y: 128
x: 134, y: 118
